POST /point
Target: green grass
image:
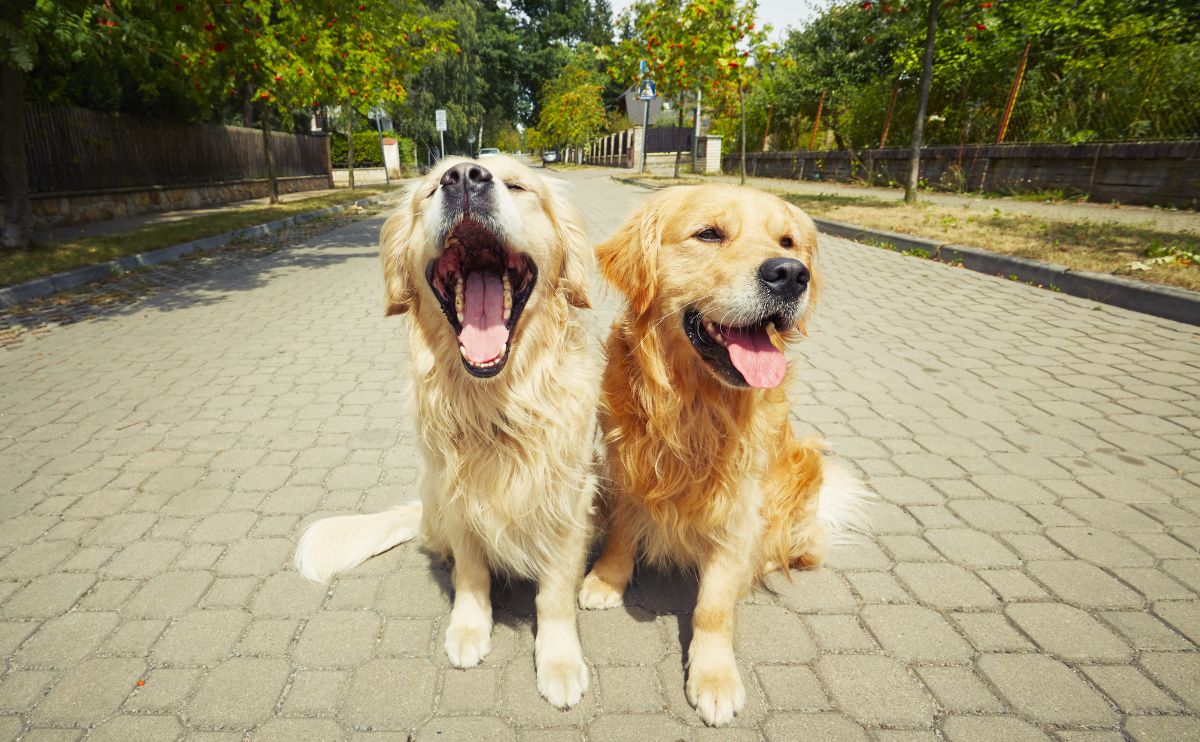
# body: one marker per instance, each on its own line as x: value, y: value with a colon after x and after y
x: 38, y: 260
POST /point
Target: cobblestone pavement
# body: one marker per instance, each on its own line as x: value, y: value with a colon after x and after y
x: 1033, y: 571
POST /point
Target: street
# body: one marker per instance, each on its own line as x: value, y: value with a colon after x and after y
x: 1032, y: 571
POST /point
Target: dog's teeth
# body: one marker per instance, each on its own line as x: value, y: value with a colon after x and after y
x: 507, y: 292
x: 503, y: 351
x: 462, y: 351
x: 458, y: 299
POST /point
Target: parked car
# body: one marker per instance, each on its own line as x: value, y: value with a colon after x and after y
x: 488, y: 152
x: 549, y: 156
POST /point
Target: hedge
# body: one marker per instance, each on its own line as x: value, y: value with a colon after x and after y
x: 367, y: 152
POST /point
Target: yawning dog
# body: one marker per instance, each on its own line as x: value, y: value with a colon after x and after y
x: 491, y: 265
x: 704, y: 469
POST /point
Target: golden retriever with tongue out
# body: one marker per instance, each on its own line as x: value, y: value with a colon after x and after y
x: 704, y: 469
x: 491, y: 265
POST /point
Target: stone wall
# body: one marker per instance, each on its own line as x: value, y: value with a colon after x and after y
x: 1151, y: 173
x: 67, y: 209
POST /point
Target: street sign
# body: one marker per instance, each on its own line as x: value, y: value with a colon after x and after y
x: 645, y: 68
x: 439, y: 116
x: 647, y: 90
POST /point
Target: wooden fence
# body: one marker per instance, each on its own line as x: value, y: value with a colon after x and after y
x: 669, y: 139
x: 72, y: 150
x: 1152, y: 173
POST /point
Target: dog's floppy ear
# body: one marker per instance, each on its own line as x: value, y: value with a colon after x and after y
x: 629, y: 259
x: 578, y: 261
x: 393, y: 246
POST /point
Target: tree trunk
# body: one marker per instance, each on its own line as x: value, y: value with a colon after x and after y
x: 272, y: 184
x: 248, y: 106
x: 13, y: 175
x: 678, y: 130
x: 914, y: 160
x: 350, y: 146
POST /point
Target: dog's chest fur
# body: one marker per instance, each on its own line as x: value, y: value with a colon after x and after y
x: 508, y: 459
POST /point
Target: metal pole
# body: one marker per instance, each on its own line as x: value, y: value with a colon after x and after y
x: 442, y: 151
x: 812, y: 141
x: 387, y: 180
x: 645, y: 127
x: 696, y: 135
x: 742, y: 105
x: 1012, y: 95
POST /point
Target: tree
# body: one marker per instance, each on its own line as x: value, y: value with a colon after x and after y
x: 687, y: 44
x: 572, y: 109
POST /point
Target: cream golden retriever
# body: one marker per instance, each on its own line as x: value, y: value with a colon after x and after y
x: 704, y: 470
x: 491, y: 265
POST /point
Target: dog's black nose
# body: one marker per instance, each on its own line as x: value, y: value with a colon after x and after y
x: 469, y: 176
x: 786, y: 278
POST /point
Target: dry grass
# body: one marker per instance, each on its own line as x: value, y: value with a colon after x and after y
x: 35, y: 261
x: 1102, y: 247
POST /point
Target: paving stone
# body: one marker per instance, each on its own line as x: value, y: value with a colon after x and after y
x: 1100, y: 547
x: 945, y: 586
x: 269, y: 637
x: 1183, y: 615
x: 1144, y: 631
x: 21, y: 689
x: 1045, y: 690
x: 123, y: 728
x: 991, y: 729
x: 134, y: 638
x: 790, y: 688
x: 47, y: 596
x: 201, y: 638
x: 876, y: 690
x: 1083, y: 585
x: 990, y: 632
x: 787, y: 727
x: 1067, y: 632
x: 627, y: 690
x: 768, y: 633
x: 992, y: 516
x: 337, y: 639
x: 625, y: 636
x: 971, y: 548
x: 165, y: 690
x: 240, y: 691
x: 915, y: 634
x: 1151, y: 728
x: 66, y: 640
x: 315, y: 692
x: 834, y: 633
x: 1178, y: 672
x: 91, y: 690
x: 652, y: 728
x: 34, y: 560
x: 878, y: 587
x: 1012, y: 585
x: 413, y: 637
x: 812, y: 591
x: 959, y: 690
x: 391, y: 693
x: 169, y: 594
x: 1129, y: 689
x: 415, y: 593
x: 300, y: 730
x: 255, y: 557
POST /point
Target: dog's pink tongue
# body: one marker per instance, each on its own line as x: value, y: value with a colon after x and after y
x: 483, y: 332
x: 761, y: 364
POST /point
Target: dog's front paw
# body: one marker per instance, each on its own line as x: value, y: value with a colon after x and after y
x: 468, y: 643
x: 562, y: 676
x: 596, y: 593
x: 715, y: 690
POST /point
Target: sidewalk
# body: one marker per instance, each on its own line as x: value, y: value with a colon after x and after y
x: 1160, y: 218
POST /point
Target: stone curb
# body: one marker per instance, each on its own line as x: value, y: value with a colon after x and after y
x: 1167, y: 302
x: 12, y: 296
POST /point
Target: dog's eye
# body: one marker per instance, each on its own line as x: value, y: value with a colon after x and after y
x: 709, y: 234
x: 787, y: 242
x: 514, y: 186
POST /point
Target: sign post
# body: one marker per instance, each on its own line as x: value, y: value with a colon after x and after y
x: 439, y: 118
x: 646, y: 93
x: 378, y: 114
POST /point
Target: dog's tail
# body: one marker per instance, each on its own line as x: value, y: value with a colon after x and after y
x: 333, y: 545
x: 842, y: 502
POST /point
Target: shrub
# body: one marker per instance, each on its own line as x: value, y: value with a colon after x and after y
x: 367, y: 152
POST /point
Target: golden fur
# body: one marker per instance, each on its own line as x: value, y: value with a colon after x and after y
x: 507, y: 483
x: 700, y: 474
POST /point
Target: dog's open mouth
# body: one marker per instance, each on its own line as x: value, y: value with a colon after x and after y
x: 749, y: 355
x: 482, y: 287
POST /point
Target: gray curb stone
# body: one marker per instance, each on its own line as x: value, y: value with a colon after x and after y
x: 22, y: 292
x: 1167, y: 302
